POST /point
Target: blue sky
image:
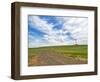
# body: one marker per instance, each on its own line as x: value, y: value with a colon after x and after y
x: 56, y: 30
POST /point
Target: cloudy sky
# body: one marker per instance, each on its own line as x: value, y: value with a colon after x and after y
x: 56, y: 30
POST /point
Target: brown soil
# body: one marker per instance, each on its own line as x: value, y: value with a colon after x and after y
x: 44, y: 58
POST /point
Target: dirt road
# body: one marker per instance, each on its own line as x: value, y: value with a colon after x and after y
x: 44, y: 58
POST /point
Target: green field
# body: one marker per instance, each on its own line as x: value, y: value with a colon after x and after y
x: 71, y: 50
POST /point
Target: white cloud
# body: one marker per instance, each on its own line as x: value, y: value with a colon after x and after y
x: 41, y: 24
x: 76, y: 26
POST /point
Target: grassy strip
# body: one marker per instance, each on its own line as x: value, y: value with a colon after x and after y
x: 71, y: 50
